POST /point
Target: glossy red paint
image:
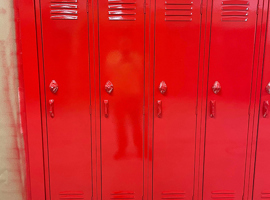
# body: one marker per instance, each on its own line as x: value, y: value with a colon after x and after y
x: 145, y: 99
x: 262, y: 173
x: 231, y: 54
x: 177, y: 42
x: 65, y: 52
x: 121, y: 57
x: 29, y: 86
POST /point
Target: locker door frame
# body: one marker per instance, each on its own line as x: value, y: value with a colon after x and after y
x: 30, y: 107
x: 150, y: 65
x: 204, y: 109
x: 31, y: 68
x: 264, y: 17
x: 43, y: 87
x: 96, y: 98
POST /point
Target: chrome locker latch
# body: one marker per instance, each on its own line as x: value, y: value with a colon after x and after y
x: 265, y: 108
x: 162, y: 87
x: 216, y: 87
x: 159, y: 108
x: 267, y: 88
x: 212, y: 108
x: 53, y: 86
x: 106, y: 108
x: 109, y: 87
x: 51, y: 108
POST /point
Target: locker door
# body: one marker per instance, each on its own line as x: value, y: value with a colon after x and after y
x: 262, y: 172
x: 66, y: 64
x: 121, y: 36
x: 229, y: 87
x: 175, y: 95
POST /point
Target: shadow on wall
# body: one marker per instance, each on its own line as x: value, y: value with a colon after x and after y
x: 12, y: 157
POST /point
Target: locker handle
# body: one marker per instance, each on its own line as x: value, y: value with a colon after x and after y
x: 106, y: 105
x: 51, y: 109
x: 212, y: 108
x: 159, y: 108
x: 265, y: 108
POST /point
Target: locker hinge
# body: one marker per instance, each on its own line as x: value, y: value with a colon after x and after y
x: 142, y: 197
x: 143, y: 110
x: 87, y: 6
x: 201, y: 8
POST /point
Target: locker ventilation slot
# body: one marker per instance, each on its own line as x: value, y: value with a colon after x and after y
x: 178, y: 10
x: 223, y: 194
x: 265, y: 195
x: 173, y: 195
x: 71, y: 195
x: 64, y: 9
x: 123, y: 195
x: 122, y: 10
x: 234, y: 11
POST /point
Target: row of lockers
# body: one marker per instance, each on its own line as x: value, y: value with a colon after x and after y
x: 164, y: 99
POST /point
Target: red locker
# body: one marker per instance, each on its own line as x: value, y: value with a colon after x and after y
x: 121, y: 53
x: 261, y: 188
x: 66, y: 80
x: 177, y: 43
x: 232, y: 42
x: 121, y: 80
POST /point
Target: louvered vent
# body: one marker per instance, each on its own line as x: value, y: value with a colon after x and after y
x: 71, y: 195
x: 223, y: 194
x: 64, y: 9
x: 234, y: 11
x: 123, y: 10
x: 178, y: 10
x: 173, y: 195
x: 265, y: 195
x: 123, y: 195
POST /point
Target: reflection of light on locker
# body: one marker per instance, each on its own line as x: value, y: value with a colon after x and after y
x: 133, y: 99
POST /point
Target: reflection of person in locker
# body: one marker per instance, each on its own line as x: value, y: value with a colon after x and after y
x: 126, y: 67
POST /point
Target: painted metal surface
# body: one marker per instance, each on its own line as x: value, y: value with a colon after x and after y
x: 29, y: 83
x: 98, y: 147
x: 177, y: 42
x: 231, y: 63
x: 261, y: 188
x: 121, y: 47
x: 66, y: 60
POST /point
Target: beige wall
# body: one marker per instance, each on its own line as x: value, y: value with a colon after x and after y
x: 12, y: 173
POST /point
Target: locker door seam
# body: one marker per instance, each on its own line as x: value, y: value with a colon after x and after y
x: 144, y: 89
x: 207, y: 82
x: 154, y: 71
x: 249, y: 134
x: 90, y: 97
x: 45, y: 97
x: 259, y: 110
x: 41, y: 114
x: 197, y: 145
x: 99, y: 68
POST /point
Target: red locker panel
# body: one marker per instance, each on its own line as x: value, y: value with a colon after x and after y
x: 177, y: 42
x: 65, y: 57
x: 262, y: 167
x: 121, y: 41
x: 229, y: 86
